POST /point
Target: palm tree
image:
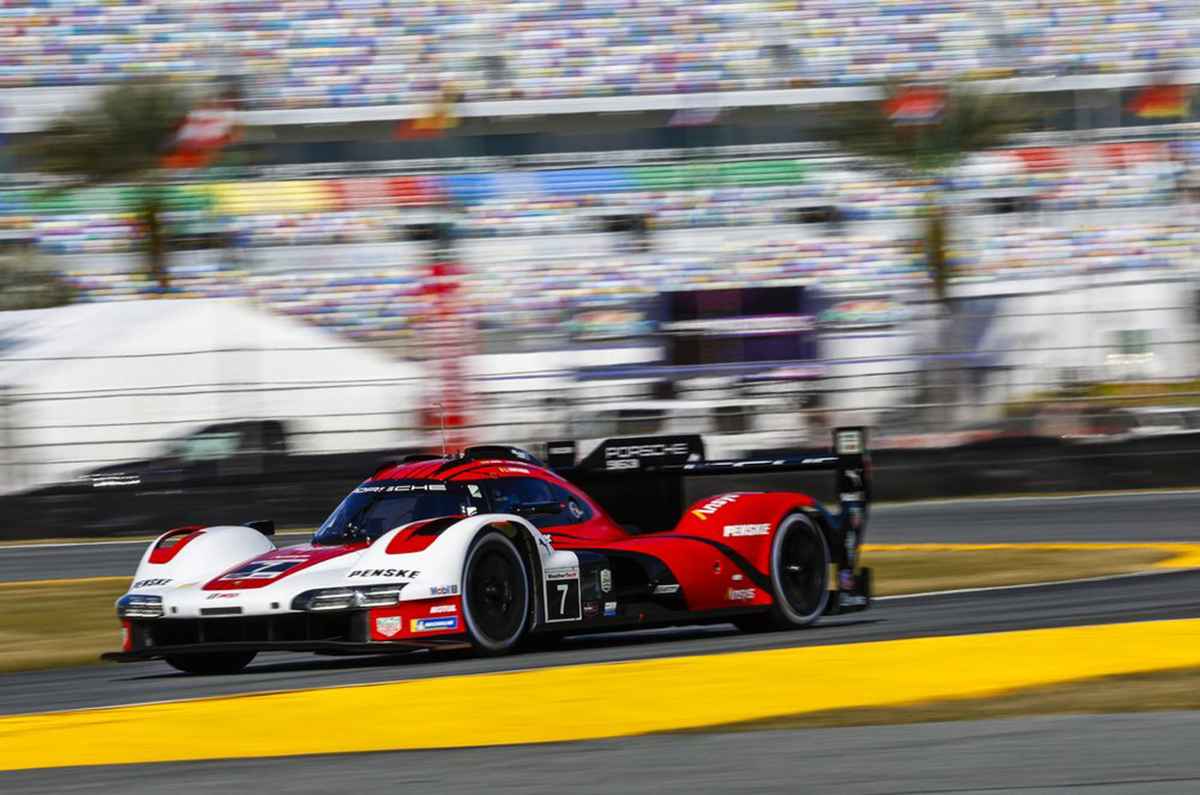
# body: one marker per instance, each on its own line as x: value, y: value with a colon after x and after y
x: 927, y: 150
x: 121, y: 138
x: 949, y: 125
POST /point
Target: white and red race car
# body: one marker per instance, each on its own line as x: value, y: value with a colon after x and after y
x: 491, y: 548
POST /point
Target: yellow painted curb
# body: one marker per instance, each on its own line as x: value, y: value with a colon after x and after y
x: 1183, y: 554
x: 594, y: 701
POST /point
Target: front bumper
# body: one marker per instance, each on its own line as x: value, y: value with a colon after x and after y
x: 331, y: 647
x: 335, y: 632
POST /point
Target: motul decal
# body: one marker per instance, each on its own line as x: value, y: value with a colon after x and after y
x: 712, y: 506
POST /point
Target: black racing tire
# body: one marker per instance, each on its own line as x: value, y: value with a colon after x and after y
x: 496, y: 595
x: 799, y: 572
x: 799, y: 577
x: 211, y: 664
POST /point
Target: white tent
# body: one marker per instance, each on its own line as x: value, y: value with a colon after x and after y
x: 88, y: 384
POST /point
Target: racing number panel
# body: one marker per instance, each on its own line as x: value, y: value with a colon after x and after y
x: 563, y: 595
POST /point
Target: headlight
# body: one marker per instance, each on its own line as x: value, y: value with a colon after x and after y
x: 134, y: 605
x: 379, y: 595
x: 346, y: 598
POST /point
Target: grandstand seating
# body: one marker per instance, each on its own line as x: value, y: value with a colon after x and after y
x: 539, y: 293
x: 550, y: 201
x: 319, y: 53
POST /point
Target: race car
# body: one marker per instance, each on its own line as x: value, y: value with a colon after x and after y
x: 492, y: 549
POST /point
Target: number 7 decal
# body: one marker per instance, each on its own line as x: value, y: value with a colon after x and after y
x: 563, y: 597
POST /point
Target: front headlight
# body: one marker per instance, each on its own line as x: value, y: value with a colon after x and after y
x: 379, y: 595
x: 133, y: 605
x: 324, y: 599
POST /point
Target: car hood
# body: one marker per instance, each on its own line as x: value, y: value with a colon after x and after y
x: 273, y: 566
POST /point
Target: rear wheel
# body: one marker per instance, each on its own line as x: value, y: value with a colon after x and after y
x: 799, y: 577
x: 495, y: 594
x: 211, y: 664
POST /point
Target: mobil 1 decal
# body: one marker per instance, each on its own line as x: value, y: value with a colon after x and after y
x: 562, y: 595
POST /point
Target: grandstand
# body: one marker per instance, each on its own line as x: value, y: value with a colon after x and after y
x: 324, y: 54
x: 768, y: 213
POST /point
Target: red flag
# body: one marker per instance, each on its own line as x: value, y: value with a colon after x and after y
x: 203, y: 133
x: 915, y: 105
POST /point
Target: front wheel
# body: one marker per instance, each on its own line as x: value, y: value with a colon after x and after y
x: 495, y: 595
x: 210, y: 664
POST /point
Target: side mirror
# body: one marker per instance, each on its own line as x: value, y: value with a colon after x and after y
x: 264, y: 526
x: 539, y: 508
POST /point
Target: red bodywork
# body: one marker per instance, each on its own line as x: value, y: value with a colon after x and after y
x: 719, y: 551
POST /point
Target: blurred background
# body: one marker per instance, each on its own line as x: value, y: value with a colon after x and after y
x: 251, y: 249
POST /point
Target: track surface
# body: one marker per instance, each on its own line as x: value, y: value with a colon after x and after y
x: 1150, y: 754
x: 1168, y: 516
x: 1146, y: 754
x: 1158, y: 596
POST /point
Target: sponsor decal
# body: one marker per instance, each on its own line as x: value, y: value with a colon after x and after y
x: 474, y: 491
x: 739, y: 530
x: 610, y: 609
x: 741, y: 594
x: 712, y: 506
x: 407, y: 574
x: 518, y: 470
x: 605, y: 580
x: 569, y: 573
x: 646, y: 450
x: 265, y: 569
x: 389, y: 626
x: 402, y: 487
x: 849, y: 443
x: 856, y: 519
x: 591, y: 609
x: 565, y: 450
x: 434, y: 610
x: 666, y: 589
x: 737, y: 578
x: 149, y: 583
x: 443, y: 590
x: 224, y: 595
x: 434, y: 624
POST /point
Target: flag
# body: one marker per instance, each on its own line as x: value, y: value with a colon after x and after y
x: 204, y: 132
x: 1160, y: 102
x: 915, y: 105
x: 440, y: 117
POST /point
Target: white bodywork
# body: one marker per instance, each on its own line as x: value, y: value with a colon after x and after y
x: 430, y: 573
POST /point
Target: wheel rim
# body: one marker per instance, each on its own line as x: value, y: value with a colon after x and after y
x: 802, y: 569
x: 496, y: 597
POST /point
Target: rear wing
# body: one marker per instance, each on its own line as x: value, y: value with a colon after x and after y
x: 637, y: 470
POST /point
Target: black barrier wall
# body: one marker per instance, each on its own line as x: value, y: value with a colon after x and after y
x: 306, y: 495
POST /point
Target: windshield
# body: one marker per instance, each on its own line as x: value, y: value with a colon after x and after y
x: 373, y: 509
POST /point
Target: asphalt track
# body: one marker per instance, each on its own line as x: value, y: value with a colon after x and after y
x: 1161, y: 516
x: 1159, y: 596
x: 1152, y: 754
